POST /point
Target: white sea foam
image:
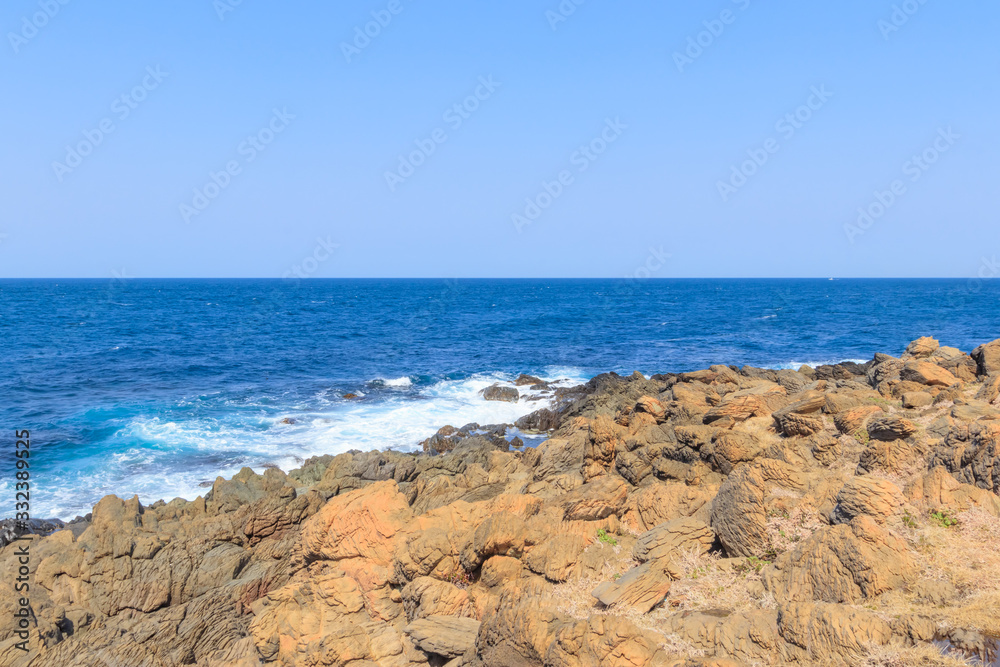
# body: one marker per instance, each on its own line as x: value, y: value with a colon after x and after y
x: 398, y: 383
x: 796, y: 365
x: 156, y: 457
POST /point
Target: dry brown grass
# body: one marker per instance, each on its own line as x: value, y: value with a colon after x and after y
x: 786, y: 529
x: 709, y: 582
x: 965, y: 555
x: 574, y: 595
x: 925, y: 655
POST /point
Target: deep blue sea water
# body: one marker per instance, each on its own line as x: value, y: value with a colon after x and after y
x: 156, y: 386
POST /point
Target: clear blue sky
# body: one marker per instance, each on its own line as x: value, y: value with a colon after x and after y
x: 679, y: 126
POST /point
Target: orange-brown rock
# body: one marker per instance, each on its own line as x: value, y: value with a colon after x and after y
x: 844, y: 563
x: 852, y: 420
x: 924, y: 372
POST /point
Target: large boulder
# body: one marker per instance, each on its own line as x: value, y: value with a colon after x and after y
x: 738, y: 512
x: 923, y: 347
x: 844, y: 563
x: 869, y: 496
x: 924, y: 372
x: 641, y: 588
x: 497, y: 392
x: 673, y: 538
x: 890, y: 427
x: 447, y: 636
x: 832, y: 633
x: 852, y: 420
x: 987, y: 357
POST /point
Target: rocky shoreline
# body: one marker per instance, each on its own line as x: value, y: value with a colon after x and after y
x: 841, y: 515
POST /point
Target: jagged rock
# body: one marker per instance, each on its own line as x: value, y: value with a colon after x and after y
x: 425, y: 597
x: 922, y: 347
x: 974, y: 459
x: 987, y: 357
x: 641, y: 588
x: 924, y: 372
x: 990, y: 390
x: 891, y: 427
x: 832, y: 631
x: 878, y: 498
x: 738, y: 514
x: 825, y: 448
x: 844, y: 563
x: 852, y: 420
x: 556, y: 557
x: 651, y: 406
x: 661, y: 502
x: 738, y: 409
x: 604, y: 439
x: 917, y: 399
x: 391, y: 559
x: 939, y: 489
x: 889, y: 456
x: 501, y: 534
x: 498, y: 392
x: 670, y: 538
x: 792, y: 424
x: 596, y: 500
x: 523, y: 380
x: 447, y: 636
x: 735, y: 447
x: 543, y: 419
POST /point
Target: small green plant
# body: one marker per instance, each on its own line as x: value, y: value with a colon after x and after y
x: 604, y: 538
x: 755, y: 564
x: 944, y: 519
x: 908, y: 519
x: 861, y: 435
x: 616, y: 576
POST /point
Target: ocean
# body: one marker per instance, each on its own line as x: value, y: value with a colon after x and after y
x: 155, y: 387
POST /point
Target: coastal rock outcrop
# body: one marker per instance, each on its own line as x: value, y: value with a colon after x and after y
x: 845, y: 514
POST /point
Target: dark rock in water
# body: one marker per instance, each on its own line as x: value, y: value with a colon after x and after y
x: 495, y: 429
x: 349, y: 396
x: 10, y: 529
x: 443, y: 441
x: 287, y: 420
x: 523, y: 379
x: 499, y: 393
x: 539, y: 420
x: 539, y: 387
